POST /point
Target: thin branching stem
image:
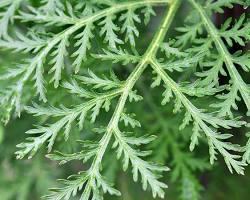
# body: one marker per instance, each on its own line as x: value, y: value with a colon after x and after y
x: 78, y: 24
x: 200, y: 119
x: 130, y: 82
x: 220, y: 45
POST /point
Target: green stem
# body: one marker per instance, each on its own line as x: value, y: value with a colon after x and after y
x: 79, y: 23
x: 198, y: 117
x: 130, y: 82
x: 236, y: 77
x: 146, y: 59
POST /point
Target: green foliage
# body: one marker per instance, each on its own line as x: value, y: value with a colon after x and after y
x: 1, y: 133
x: 65, y: 38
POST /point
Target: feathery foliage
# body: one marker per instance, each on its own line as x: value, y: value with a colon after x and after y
x: 64, y: 45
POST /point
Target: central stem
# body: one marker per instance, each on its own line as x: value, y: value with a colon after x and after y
x: 132, y: 79
x: 146, y: 59
x: 212, y: 30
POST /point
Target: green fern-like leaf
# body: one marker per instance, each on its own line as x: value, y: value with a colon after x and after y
x: 105, y: 102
